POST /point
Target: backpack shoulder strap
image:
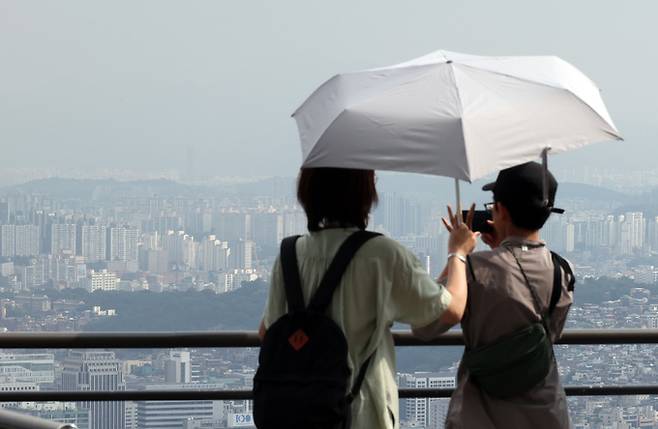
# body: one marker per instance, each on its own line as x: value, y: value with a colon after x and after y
x: 559, y: 264
x: 291, y: 281
x: 359, y: 379
x: 331, y: 279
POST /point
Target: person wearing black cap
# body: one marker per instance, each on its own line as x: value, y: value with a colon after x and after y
x: 526, y: 194
x: 519, y: 294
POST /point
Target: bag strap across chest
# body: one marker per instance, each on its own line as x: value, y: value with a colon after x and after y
x: 559, y: 264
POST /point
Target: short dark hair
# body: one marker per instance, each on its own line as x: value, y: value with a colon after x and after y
x: 527, y: 217
x: 339, y: 197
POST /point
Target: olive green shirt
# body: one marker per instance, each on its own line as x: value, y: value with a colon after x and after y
x: 384, y: 283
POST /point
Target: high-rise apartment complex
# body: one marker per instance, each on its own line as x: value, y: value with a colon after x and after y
x: 213, y: 254
x: 242, y: 255
x: 230, y: 226
x: 63, y: 238
x: 8, y: 240
x: 180, y: 248
x: 401, y: 216
x: 27, y: 240
x: 123, y: 244
x: 93, y: 242
x: 625, y: 234
x: 4, y: 212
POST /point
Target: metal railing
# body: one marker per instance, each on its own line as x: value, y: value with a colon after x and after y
x: 145, y: 340
x: 14, y: 420
x: 225, y: 339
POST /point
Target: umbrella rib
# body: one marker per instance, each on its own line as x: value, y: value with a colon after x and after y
x: 510, y: 76
x: 316, y: 145
x: 616, y: 134
x: 316, y: 91
x: 461, y: 120
x: 544, y: 84
x: 346, y: 107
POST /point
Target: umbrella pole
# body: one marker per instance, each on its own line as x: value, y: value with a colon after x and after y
x: 459, y: 201
x: 544, y: 163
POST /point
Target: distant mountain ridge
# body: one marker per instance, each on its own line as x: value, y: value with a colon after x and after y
x: 89, y: 189
x: 425, y: 186
x: 81, y: 188
x: 569, y: 190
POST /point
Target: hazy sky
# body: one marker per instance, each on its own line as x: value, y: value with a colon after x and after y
x: 131, y: 84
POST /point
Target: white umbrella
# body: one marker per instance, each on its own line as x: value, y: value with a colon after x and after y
x: 451, y: 114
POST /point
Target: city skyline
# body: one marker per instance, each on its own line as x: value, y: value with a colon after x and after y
x: 148, y: 176
x: 117, y: 260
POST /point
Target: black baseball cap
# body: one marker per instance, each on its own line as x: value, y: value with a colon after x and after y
x: 521, y: 186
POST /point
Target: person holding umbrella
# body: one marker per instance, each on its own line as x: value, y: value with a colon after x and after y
x: 380, y: 284
x: 518, y: 300
x: 464, y: 116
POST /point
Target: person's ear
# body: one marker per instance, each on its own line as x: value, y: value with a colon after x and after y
x: 503, y: 213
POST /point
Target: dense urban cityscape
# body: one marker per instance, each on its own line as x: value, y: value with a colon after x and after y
x: 156, y: 154
x: 105, y: 255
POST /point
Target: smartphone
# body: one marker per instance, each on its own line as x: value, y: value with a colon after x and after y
x: 480, y: 218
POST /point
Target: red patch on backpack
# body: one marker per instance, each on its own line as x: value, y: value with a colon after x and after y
x: 298, y: 340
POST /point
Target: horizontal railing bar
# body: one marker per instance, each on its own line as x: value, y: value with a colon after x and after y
x: 125, y: 395
x: 611, y: 390
x: 609, y: 336
x: 570, y: 336
x: 226, y: 395
x: 128, y: 340
x: 569, y: 390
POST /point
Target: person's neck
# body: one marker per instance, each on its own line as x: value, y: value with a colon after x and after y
x: 524, y: 234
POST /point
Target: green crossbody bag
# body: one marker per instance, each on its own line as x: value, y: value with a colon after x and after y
x: 520, y: 361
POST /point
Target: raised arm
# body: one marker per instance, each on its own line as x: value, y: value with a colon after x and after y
x: 461, y: 243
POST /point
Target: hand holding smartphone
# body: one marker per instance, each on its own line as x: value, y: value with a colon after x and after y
x: 480, y: 218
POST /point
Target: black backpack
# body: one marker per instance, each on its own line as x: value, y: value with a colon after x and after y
x: 303, y: 372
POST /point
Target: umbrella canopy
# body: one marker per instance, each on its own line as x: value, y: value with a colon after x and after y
x: 452, y: 114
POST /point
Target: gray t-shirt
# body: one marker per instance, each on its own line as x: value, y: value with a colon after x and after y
x: 500, y: 303
x: 384, y: 283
